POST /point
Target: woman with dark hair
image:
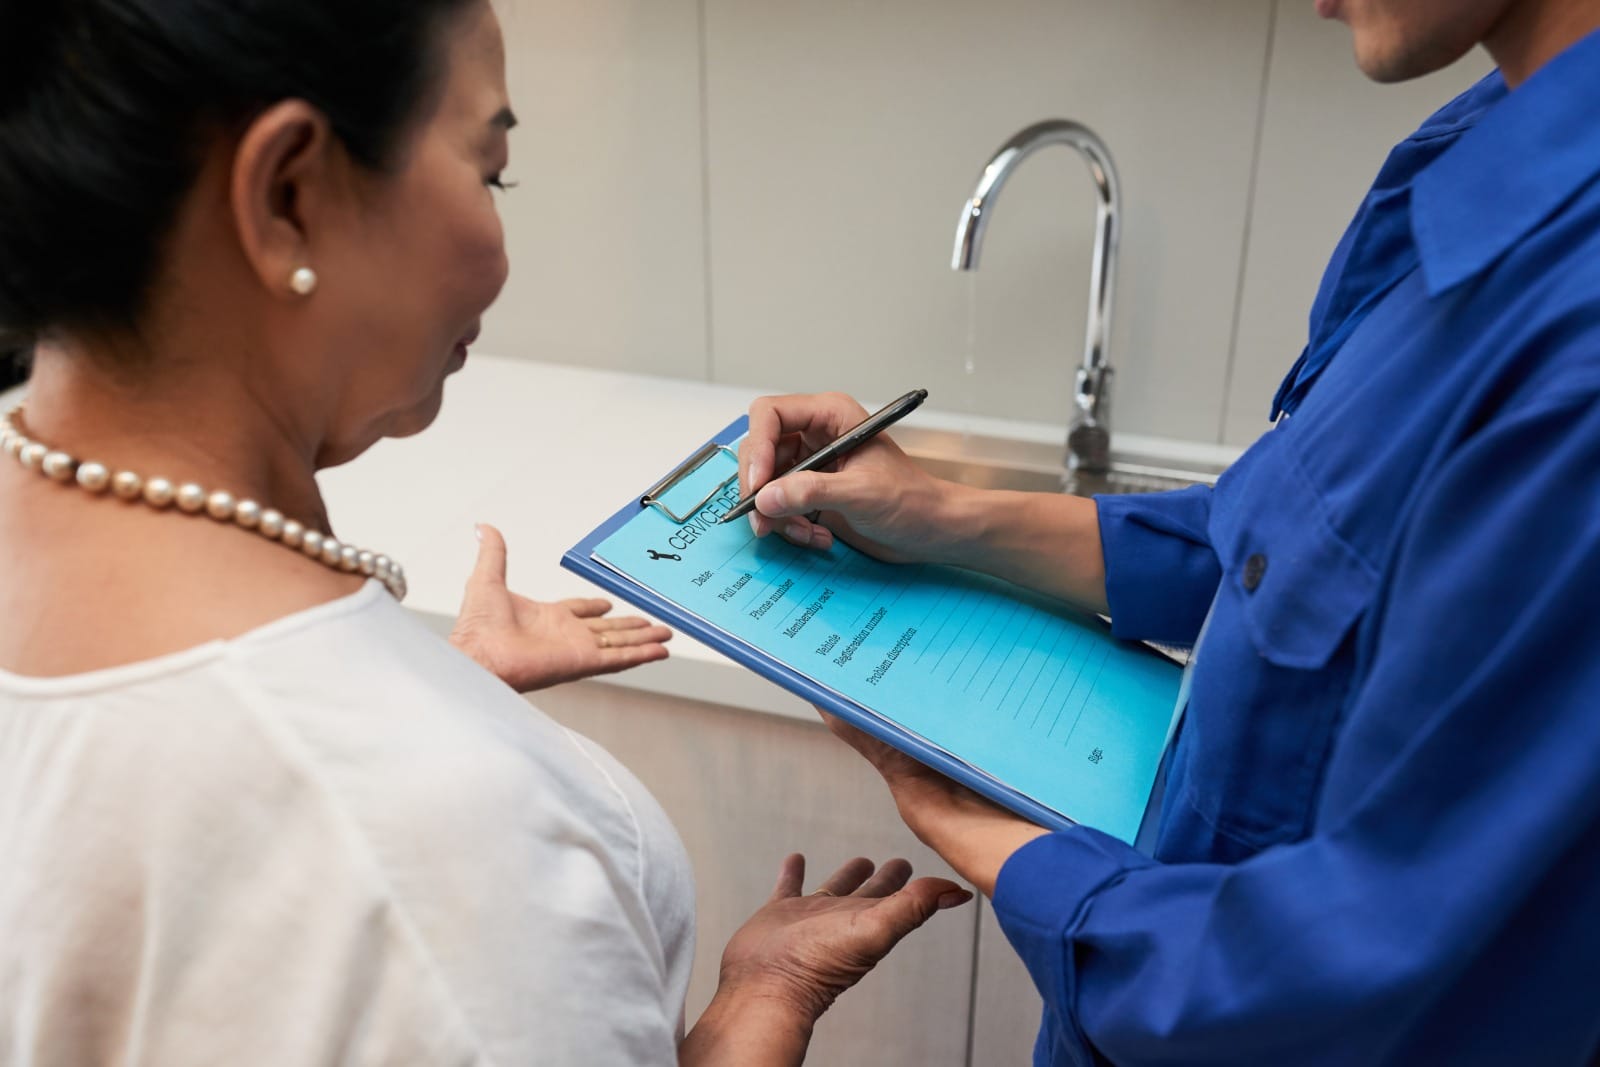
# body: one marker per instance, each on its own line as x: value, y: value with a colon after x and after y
x: 250, y: 810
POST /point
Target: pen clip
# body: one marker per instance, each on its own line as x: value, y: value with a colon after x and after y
x: 653, y: 497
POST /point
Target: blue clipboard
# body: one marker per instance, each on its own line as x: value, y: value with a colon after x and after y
x: 582, y: 559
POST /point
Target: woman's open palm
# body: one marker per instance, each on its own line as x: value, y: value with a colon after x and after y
x: 533, y: 644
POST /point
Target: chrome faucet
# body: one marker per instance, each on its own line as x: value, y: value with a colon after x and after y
x: 1089, y: 436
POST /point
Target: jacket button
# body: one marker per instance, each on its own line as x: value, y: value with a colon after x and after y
x: 1255, y: 568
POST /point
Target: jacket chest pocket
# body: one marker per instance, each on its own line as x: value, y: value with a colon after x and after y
x: 1277, y: 663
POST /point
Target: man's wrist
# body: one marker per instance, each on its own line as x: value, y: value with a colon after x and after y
x: 1048, y: 542
x: 958, y: 516
x: 974, y: 836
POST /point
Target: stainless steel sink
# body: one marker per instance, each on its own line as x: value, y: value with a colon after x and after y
x: 1003, y: 463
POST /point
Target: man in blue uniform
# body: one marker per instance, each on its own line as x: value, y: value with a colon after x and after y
x: 1380, y: 839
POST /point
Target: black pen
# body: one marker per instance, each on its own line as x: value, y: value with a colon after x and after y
x: 852, y: 439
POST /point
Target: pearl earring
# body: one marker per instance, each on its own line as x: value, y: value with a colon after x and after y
x: 303, y: 281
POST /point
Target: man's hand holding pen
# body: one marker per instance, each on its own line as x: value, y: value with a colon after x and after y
x: 875, y: 498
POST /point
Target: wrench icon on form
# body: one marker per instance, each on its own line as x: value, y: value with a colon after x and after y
x: 663, y: 555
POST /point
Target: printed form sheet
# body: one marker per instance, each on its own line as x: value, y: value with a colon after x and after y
x: 1017, y: 686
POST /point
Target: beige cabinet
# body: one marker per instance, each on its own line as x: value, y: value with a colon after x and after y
x: 745, y: 789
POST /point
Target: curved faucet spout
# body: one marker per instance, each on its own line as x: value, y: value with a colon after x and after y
x: 1089, y: 436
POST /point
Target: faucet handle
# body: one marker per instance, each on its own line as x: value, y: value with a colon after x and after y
x: 1089, y: 437
x: 1092, y: 394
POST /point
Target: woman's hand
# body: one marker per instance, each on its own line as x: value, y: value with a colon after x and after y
x: 806, y: 950
x: 876, y: 499
x: 972, y: 834
x: 785, y: 966
x: 531, y: 645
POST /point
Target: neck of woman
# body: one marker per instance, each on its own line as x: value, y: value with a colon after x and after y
x: 187, y: 420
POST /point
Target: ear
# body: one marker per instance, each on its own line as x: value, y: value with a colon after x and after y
x: 284, y: 170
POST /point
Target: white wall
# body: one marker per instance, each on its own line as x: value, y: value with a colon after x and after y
x: 607, y: 232
x: 765, y: 194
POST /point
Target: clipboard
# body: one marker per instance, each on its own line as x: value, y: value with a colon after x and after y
x: 584, y: 559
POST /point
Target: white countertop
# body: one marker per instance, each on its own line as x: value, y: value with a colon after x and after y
x: 546, y: 453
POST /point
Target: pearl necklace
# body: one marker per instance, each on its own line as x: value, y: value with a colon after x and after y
x: 191, y: 499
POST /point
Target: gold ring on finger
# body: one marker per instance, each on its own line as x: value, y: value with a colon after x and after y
x: 605, y: 640
x: 824, y: 893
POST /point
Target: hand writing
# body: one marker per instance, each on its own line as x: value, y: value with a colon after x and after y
x: 875, y: 499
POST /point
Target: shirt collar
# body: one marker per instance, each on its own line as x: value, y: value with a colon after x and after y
x: 1515, y: 168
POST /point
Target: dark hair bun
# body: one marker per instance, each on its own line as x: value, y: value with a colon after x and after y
x: 105, y: 106
x: 26, y: 33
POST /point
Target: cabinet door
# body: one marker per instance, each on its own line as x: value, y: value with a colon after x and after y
x: 745, y: 789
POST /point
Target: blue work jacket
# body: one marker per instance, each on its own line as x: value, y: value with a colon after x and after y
x: 1380, y: 839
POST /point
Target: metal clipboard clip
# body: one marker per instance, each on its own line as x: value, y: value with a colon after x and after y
x: 653, y: 496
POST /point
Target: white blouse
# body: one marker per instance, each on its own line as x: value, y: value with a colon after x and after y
x: 335, y: 840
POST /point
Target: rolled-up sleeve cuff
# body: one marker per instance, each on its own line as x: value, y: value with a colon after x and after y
x: 1040, y: 898
x: 1161, y: 571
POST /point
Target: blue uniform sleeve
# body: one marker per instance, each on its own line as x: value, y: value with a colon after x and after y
x: 1442, y: 909
x: 1161, y: 572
